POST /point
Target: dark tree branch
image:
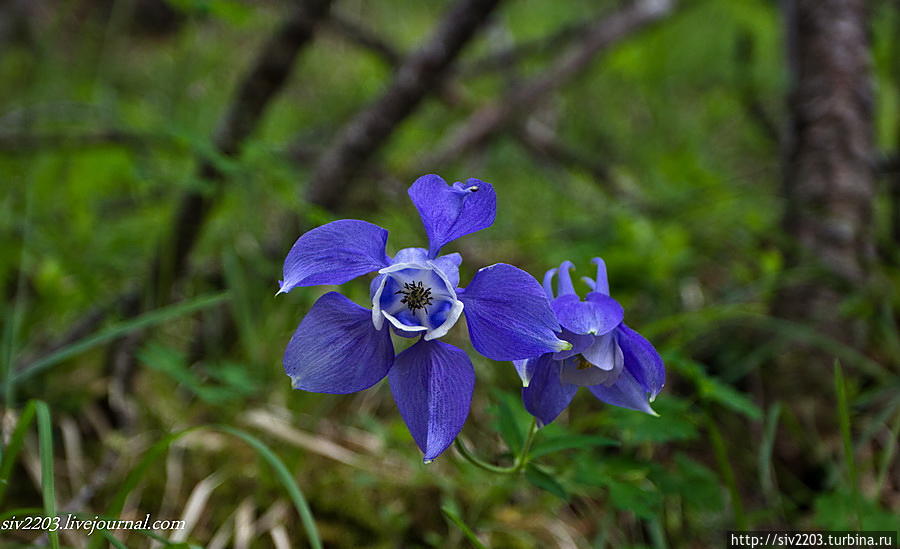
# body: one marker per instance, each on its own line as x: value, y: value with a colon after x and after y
x: 514, y: 54
x: 264, y: 80
x: 365, y: 38
x: 419, y: 74
x: 542, y: 141
x: 356, y: 33
x: 490, y: 119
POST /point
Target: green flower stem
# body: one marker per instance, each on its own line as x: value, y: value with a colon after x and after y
x: 477, y: 462
x: 518, y: 465
x: 522, y: 458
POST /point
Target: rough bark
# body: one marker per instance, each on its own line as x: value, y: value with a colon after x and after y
x: 829, y: 179
x: 419, y: 74
x: 829, y: 191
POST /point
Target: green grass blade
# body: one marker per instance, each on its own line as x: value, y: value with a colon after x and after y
x: 45, y: 444
x: 18, y: 307
x: 766, y: 447
x: 145, y: 320
x: 840, y: 389
x: 11, y: 450
x: 113, y: 540
x: 463, y: 527
x: 727, y: 472
x: 887, y: 457
x: 158, y: 450
x: 312, y: 533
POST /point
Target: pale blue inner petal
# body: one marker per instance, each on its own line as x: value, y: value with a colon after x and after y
x: 436, y: 312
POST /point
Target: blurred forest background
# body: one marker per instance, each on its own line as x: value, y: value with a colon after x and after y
x: 735, y: 162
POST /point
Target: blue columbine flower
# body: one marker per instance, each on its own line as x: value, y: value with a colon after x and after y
x: 613, y: 361
x: 341, y: 347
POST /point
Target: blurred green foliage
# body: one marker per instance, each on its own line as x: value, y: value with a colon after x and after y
x: 691, y: 239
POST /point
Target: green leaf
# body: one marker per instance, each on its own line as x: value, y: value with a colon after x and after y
x: 544, y: 481
x: 713, y: 390
x: 695, y: 483
x: 506, y: 422
x: 675, y: 422
x: 235, y: 382
x: 641, y: 498
x: 838, y: 511
x: 568, y: 442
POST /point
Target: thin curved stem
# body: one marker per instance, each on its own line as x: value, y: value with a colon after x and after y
x: 477, y: 462
x: 518, y: 465
x: 522, y: 458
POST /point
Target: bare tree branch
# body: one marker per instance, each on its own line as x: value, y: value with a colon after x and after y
x: 258, y: 87
x: 264, y: 80
x: 542, y: 141
x: 364, y: 38
x: 515, y: 53
x: 605, y: 31
x: 448, y: 91
x: 418, y: 75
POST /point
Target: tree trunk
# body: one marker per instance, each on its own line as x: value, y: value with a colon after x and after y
x: 829, y: 189
x: 829, y: 183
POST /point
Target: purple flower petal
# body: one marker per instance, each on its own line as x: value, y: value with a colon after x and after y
x: 525, y: 369
x: 601, y: 284
x: 432, y: 383
x: 548, y: 283
x: 604, y: 353
x: 509, y: 316
x: 584, y: 374
x: 410, y: 255
x: 449, y: 212
x: 334, y: 253
x: 642, y: 360
x: 398, y: 282
x: 625, y: 392
x: 449, y: 265
x: 565, y: 279
x: 336, y: 349
x: 579, y: 342
x: 546, y: 396
x: 599, y: 315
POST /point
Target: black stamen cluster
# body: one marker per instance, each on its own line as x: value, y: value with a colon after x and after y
x: 416, y: 296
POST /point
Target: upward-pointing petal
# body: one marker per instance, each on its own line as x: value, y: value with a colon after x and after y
x: 335, y: 253
x: 432, y: 384
x: 509, y: 316
x: 451, y: 211
x: 596, y: 316
x: 336, y: 349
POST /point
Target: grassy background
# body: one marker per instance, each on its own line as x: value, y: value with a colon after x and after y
x: 690, y: 231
